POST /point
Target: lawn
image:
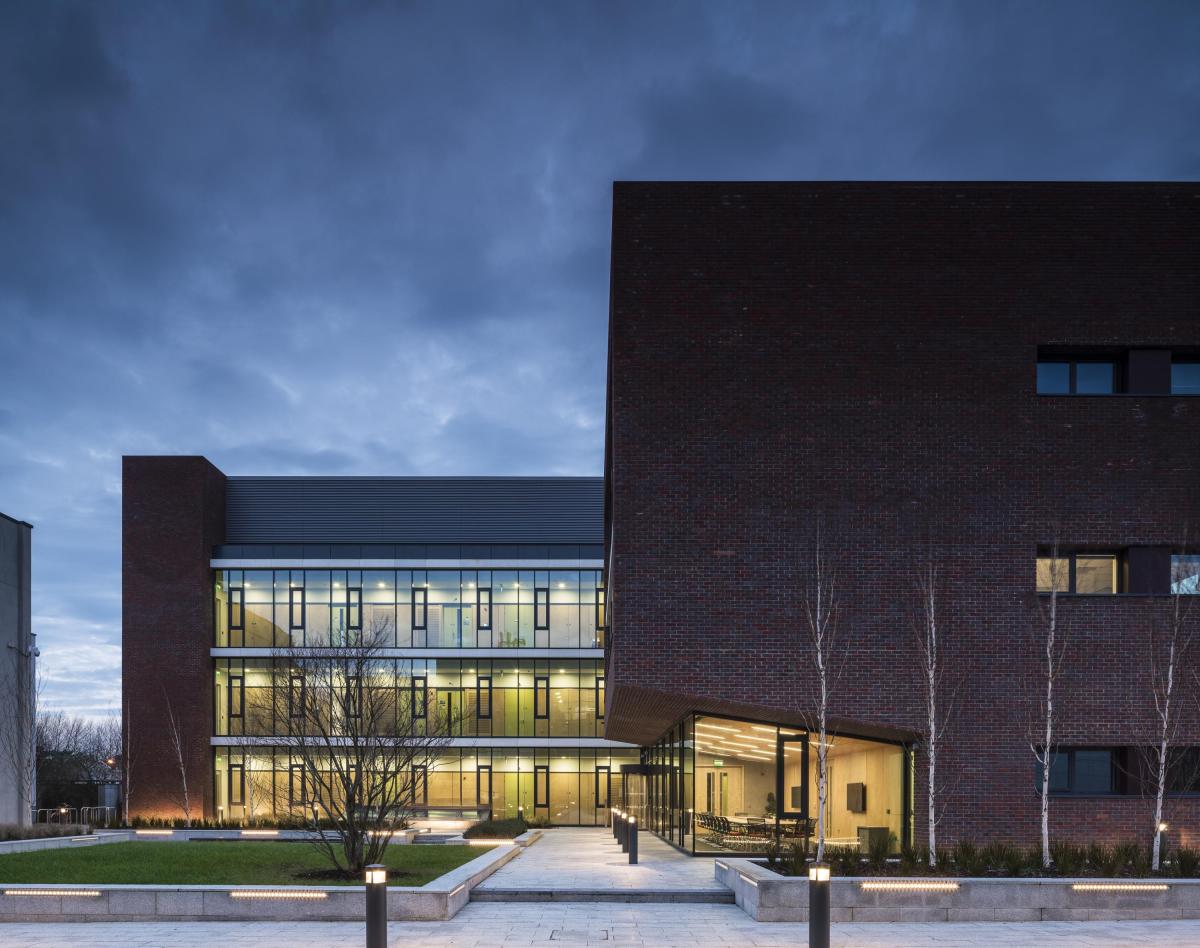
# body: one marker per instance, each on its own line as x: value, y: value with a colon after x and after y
x: 217, y: 863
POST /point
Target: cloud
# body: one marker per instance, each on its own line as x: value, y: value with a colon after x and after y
x: 372, y: 238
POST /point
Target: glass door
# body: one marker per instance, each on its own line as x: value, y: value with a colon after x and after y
x: 636, y: 797
x: 792, y: 787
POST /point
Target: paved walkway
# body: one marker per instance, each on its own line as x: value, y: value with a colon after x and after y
x: 492, y: 925
x: 590, y: 860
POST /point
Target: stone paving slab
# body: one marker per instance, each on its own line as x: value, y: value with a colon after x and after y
x: 490, y: 925
x: 569, y: 858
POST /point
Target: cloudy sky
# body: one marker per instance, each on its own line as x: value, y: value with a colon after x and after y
x: 372, y: 238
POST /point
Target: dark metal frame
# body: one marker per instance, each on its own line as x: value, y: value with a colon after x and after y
x: 539, y: 771
x: 541, y: 686
x: 423, y: 625
x: 480, y: 606
x: 420, y: 697
x: 479, y: 694
x: 541, y: 601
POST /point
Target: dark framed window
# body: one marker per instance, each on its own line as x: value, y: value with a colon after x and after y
x: 1083, y: 573
x: 237, y: 609
x: 1092, y: 771
x: 1185, y: 573
x: 1183, y: 770
x: 296, y: 607
x: 1185, y: 378
x: 483, y: 608
x: 1077, y: 377
x: 354, y: 697
x: 237, y: 784
x: 420, y: 698
x: 236, y: 697
x: 420, y: 608
x: 601, y: 609
x: 483, y: 697
x: 297, y: 785
x: 296, y: 696
x: 599, y: 697
x: 541, y: 608
x: 541, y: 785
x: 541, y: 697
x: 603, y: 787
x: 354, y: 609
x: 483, y: 785
x: 420, y: 774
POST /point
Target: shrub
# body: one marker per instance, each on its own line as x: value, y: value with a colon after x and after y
x: 10, y: 831
x: 1185, y: 862
x: 879, y: 850
x: 1068, y: 858
x: 1126, y: 856
x: 496, y: 829
x: 966, y: 858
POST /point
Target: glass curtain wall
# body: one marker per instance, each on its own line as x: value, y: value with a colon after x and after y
x: 717, y: 785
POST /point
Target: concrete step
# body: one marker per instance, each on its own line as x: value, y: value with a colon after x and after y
x: 719, y: 896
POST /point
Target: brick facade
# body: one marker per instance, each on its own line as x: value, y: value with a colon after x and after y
x: 866, y: 352
x: 173, y: 515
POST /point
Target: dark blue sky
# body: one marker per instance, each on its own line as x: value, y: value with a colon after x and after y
x: 351, y: 238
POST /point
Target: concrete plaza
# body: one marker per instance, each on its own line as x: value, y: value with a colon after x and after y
x: 500, y: 925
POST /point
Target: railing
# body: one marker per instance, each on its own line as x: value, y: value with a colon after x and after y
x: 98, y: 815
x: 57, y: 814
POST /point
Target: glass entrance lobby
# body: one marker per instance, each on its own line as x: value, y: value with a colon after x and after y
x: 719, y: 785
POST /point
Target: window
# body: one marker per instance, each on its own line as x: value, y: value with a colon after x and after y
x: 237, y: 696
x: 237, y: 609
x: 1086, y: 770
x: 1087, y: 574
x: 354, y: 609
x: 296, y: 607
x: 541, y: 785
x: 541, y: 609
x: 541, y: 697
x: 1183, y: 770
x: 354, y: 697
x: 1076, y: 377
x: 420, y: 698
x: 420, y: 608
x: 420, y: 781
x: 296, y: 696
x: 483, y: 608
x: 483, y: 785
x: 1185, y: 378
x: 237, y: 784
x: 599, y: 697
x: 601, y: 610
x: 1185, y: 574
x: 483, y: 698
x: 297, y: 786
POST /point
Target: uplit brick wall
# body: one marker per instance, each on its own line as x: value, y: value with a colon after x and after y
x: 867, y: 351
x: 173, y: 515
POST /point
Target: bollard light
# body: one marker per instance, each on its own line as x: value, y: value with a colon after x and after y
x: 818, y: 905
x: 633, y: 838
x: 376, y: 876
x: 1162, y: 827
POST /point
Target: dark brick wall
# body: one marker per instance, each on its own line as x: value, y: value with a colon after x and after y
x: 867, y: 351
x: 173, y: 513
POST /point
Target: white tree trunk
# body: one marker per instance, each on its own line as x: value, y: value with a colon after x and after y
x: 1164, y: 739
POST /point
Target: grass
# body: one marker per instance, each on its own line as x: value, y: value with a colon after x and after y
x: 216, y: 863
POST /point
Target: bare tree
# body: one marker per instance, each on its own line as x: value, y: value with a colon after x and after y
x: 362, y: 743
x: 1168, y: 653
x: 929, y: 633
x: 821, y: 614
x: 178, y: 743
x: 1051, y: 641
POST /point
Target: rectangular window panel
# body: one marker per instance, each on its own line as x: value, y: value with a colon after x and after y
x: 297, y: 786
x: 1185, y: 574
x: 603, y: 786
x: 420, y: 785
x: 541, y: 785
x: 601, y: 609
x: 600, y: 697
x: 541, y: 609
x: 354, y: 609
x: 420, y: 698
x: 1093, y: 771
x: 420, y: 608
x: 1054, y: 378
x: 483, y: 608
x: 237, y: 609
x: 296, y: 696
x: 296, y: 608
x: 1185, y: 378
x: 1095, y: 574
x: 483, y: 786
x: 237, y: 696
x: 1094, y: 378
x: 1052, y: 572
x: 354, y: 697
x: 237, y: 784
x: 541, y: 697
x: 1060, y: 773
x: 483, y: 698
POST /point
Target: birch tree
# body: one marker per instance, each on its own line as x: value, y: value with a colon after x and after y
x: 1050, y: 641
x: 929, y: 632
x: 821, y: 615
x: 178, y: 743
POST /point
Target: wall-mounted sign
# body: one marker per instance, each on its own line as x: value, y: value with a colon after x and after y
x: 717, y: 762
